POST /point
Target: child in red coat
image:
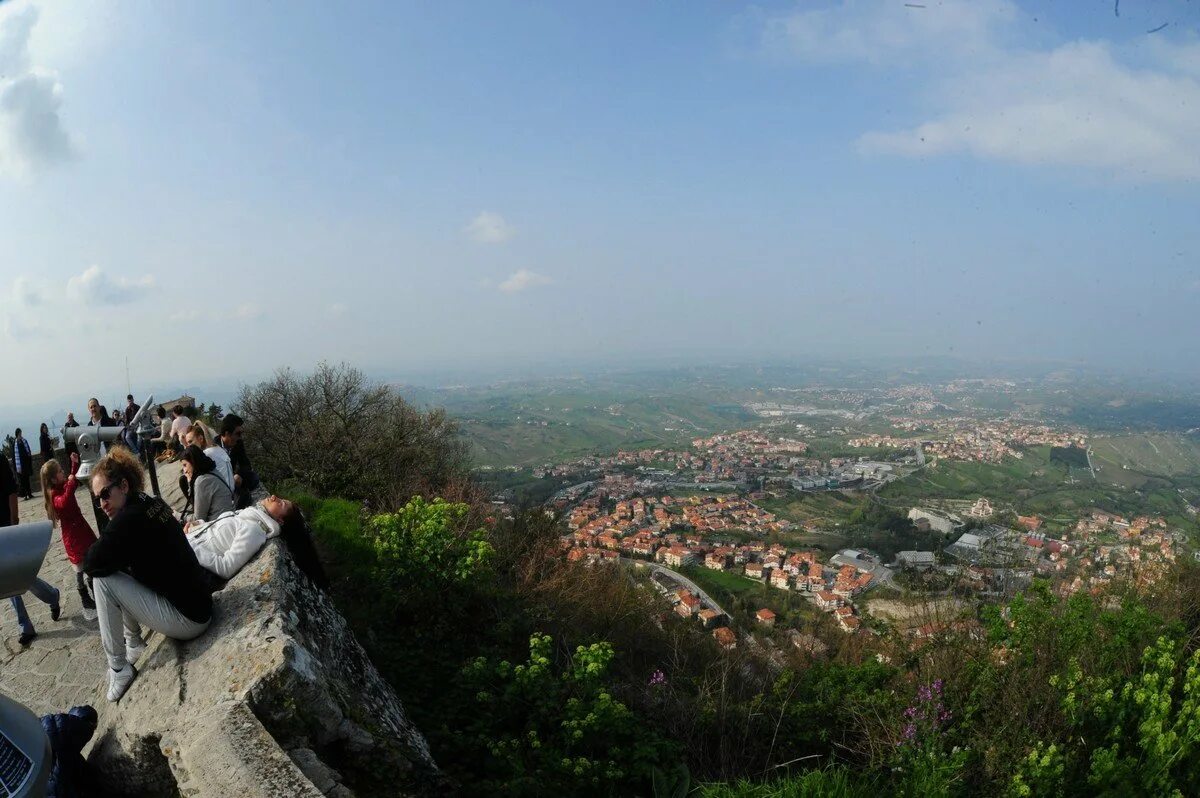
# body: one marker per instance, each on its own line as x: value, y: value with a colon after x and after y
x: 77, y: 536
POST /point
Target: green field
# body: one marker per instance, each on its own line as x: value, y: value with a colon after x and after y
x: 535, y: 429
x: 827, y: 508
x: 1134, y: 459
x: 1036, y: 485
x: 742, y: 597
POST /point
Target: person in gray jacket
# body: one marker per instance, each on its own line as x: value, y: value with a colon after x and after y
x: 208, y: 493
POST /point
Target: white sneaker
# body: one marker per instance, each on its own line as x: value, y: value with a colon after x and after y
x: 134, y: 650
x: 89, y: 615
x: 119, y: 681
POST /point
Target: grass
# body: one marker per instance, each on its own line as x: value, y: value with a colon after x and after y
x: 743, y: 596
x: 723, y: 582
x: 828, y: 508
x: 830, y: 782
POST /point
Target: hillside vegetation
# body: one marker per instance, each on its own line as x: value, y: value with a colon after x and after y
x: 534, y: 677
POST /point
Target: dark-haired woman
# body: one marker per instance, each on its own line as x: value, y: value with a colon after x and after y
x: 208, y: 493
x: 46, y: 446
x: 143, y: 571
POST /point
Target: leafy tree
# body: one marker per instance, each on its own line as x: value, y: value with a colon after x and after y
x: 212, y: 414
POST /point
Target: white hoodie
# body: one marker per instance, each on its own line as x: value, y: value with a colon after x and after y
x: 225, y: 545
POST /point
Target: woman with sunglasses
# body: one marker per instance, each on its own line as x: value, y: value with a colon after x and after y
x: 143, y: 571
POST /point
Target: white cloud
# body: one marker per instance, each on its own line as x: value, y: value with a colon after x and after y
x: 95, y: 287
x: 523, y: 279
x: 1083, y: 104
x: 16, y: 29
x: 490, y: 228
x: 25, y: 293
x: 23, y: 316
x: 32, y: 135
x: 887, y: 32
x: 1076, y: 105
x: 247, y: 312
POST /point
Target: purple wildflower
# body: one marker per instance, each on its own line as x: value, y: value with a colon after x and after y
x: 658, y: 677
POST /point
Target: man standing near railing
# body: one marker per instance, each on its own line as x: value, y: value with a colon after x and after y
x: 23, y: 459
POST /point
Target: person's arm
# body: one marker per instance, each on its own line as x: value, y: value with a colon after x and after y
x: 248, y: 538
x: 13, y: 511
x: 110, y: 553
x: 202, y: 493
x: 62, y: 500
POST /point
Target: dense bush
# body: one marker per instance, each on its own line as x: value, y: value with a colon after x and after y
x: 545, y: 728
x: 338, y: 435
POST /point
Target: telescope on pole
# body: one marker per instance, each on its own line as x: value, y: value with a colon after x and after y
x: 24, y: 747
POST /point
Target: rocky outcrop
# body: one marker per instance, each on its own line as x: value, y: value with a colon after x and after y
x: 276, y: 699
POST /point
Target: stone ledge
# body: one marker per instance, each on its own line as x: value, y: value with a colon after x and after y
x: 278, y: 670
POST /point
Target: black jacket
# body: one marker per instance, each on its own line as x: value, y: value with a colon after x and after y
x: 241, y: 466
x: 145, y: 541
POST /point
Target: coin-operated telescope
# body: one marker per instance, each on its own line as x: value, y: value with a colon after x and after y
x: 25, y: 755
x: 87, y: 442
x: 89, y: 439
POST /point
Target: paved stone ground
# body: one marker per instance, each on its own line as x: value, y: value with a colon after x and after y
x: 64, y: 666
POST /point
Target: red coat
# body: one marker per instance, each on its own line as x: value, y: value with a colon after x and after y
x: 77, y: 536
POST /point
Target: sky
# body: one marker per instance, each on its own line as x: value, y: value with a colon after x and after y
x: 215, y: 190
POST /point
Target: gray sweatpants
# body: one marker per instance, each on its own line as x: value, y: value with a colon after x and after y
x: 125, y: 604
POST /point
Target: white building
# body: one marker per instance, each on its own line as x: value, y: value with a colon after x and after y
x: 937, y: 522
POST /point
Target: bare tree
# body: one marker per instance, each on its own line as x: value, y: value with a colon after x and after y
x: 338, y: 434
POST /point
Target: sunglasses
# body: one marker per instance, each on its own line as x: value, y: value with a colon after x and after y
x: 105, y: 492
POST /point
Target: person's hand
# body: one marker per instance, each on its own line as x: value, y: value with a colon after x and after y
x: 187, y: 528
x: 74, y: 462
x: 237, y: 480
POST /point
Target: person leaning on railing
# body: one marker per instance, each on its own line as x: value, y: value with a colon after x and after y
x: 143, y: 570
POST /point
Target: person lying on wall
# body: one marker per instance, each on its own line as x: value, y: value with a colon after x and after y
x: 143, y: 571
x: 224, y: 545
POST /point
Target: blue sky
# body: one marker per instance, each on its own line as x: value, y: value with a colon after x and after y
x: 219, y: 189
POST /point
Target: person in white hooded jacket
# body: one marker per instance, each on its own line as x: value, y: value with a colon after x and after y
x: 225, y: 544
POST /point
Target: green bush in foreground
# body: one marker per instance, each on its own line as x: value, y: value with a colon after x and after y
x: 425, y: 546
x: 547, y: 730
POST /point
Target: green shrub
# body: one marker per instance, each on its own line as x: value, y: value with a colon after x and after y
x: 541, y: 729
x: 1137, y: 736
x: 425, y: 545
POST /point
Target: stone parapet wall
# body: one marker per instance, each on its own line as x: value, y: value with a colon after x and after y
x: 277, y: 698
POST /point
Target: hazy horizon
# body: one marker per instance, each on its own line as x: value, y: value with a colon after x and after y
x: 215, y: 191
